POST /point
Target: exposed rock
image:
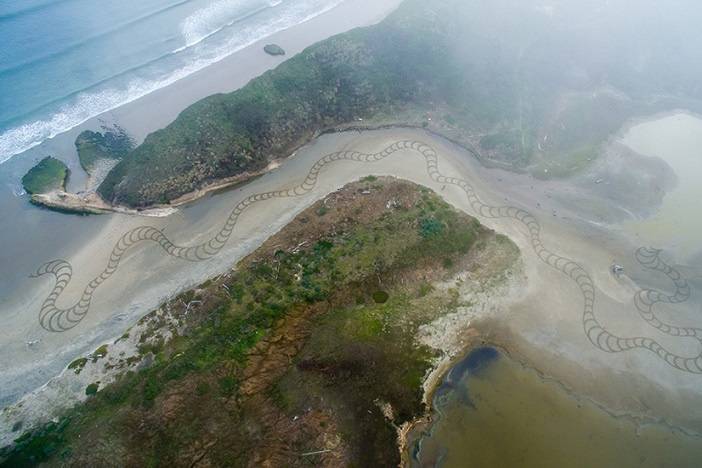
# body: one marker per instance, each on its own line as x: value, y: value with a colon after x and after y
x: 49, y: 174
x: 274, y: 49
x: 92, y: 147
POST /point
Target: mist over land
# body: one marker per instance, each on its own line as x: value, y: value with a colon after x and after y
x: 529, y: 86
x: 351, y: 253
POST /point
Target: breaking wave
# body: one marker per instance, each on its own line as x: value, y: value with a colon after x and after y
x: 210, y: 20
x: 210, y: 35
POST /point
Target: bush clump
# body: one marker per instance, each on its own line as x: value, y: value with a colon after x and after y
x: 380, y: 297
x: 430, y: 227
x: 50, y: 174
x: 78, y: 364
x: 92, y: 388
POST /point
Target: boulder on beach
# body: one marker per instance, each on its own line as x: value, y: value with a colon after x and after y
x: 274, y: 49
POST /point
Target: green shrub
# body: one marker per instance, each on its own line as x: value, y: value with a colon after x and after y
x: 99, y: 353
x: 37, y: 446
x: 113, y: 143
x: 424, y: 289
x: 50, y: 174
x: 380, y: 297
x: 228, y: 385
x: 152, y: 388
x: 430, y: 227
x: 202, y: 388
x: 78, y: 365
x: 92, y: 388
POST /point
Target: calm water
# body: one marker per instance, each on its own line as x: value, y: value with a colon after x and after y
x: 65, y: 61
x: 677, y: 139
x: 493, y: 412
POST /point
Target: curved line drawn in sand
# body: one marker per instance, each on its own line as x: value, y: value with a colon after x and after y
x: 646, y: 299
x: 55, y: 319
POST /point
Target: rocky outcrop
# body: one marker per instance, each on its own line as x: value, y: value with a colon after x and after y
x: 49, y: 174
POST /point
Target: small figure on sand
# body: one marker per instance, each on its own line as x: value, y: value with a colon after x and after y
x: 617, y: 269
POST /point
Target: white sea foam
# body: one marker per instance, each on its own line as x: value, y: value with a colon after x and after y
x: 17, y: 190
x: 210, y: 20
x: 230, y: 38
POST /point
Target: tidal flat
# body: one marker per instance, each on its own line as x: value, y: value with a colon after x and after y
x: 491, y: 410
x: 676, y: 139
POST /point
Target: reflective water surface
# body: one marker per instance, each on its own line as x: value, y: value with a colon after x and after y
x: 677, y: 139
x: 493, y: 412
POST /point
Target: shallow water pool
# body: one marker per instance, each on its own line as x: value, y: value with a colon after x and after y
x: 493, y: 412
x: 677, y: 139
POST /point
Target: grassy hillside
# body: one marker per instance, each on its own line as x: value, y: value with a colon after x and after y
x: 508, y: 78
x: 49, y: 174
x: 305, y: 354
x: 352, y: 76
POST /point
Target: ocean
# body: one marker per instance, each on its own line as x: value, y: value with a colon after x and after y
x: 63, y: 62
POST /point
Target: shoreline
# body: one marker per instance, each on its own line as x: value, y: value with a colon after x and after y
x: 154, y: 111
x: 546, y: 341
x: 374, y: 12
x: 413, y: 431
x: 139, y: 118
x: 81, y: 237
x: 90, y: 202
x: 159, y: 324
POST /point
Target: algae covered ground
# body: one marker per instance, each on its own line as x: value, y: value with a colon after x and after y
x: 111, y: 143
x: 305, y: 354
x: 49, y: 174
x: 92, y: 147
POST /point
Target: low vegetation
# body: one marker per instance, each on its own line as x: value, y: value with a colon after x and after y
x: 78, y: 365
x: 351, y: 76
x: 49, y: 174
x: 305, y: 354
x: 502, y: 79
x: 99, y: 353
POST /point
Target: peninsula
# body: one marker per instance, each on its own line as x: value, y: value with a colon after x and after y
x: 409, y: 70
x: 306, y: 352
